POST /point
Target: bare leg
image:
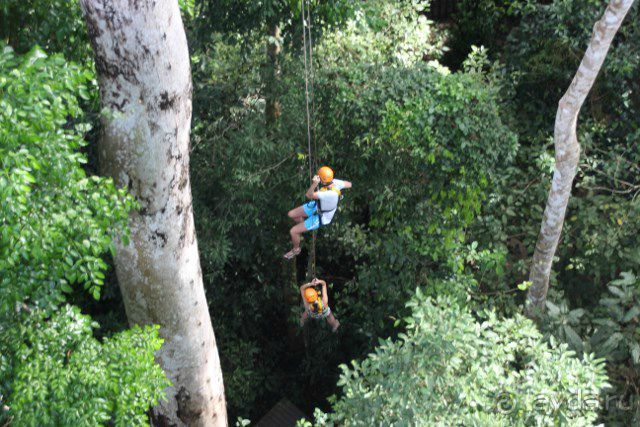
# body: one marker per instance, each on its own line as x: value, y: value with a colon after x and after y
x: 303, y: 318
x: 297, y: 214
x: 333, y: 322
x: 295, y: 232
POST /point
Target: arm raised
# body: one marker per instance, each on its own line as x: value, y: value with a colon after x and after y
x: 311, y: 194
x: 325, y: 294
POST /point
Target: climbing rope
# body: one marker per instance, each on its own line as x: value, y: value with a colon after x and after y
x: 308, y: 64
x: 308, y: 82
x: 312, y: 76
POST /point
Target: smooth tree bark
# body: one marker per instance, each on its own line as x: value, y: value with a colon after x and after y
x: 567, y: 151
x: 142, y: 61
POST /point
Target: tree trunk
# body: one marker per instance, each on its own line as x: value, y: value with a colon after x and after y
x: 142, y: 61
x: 272, y: 109
x: 568, y: 152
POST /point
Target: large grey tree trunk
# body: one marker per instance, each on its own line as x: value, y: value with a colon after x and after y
x: 272, y: 109
x: 568, y: 151
x: 142, y: 61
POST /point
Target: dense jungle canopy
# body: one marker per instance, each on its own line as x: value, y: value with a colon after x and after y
x: 151, y: 150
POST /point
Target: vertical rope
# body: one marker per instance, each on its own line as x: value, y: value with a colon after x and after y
x: 306, y: 91
x: 312, y: 96
x: 312, y: 93
x: 306, y: 87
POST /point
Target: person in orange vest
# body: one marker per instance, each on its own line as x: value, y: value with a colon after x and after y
x: 316, y: 307
x: 319, y: 211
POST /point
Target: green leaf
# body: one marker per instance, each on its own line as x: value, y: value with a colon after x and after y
x: 617, y: 291
x: 524, y: 285
x: 554, y: 311
x: 633, y: 312
x: 573, y: 338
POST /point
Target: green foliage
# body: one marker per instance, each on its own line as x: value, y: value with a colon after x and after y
x: 481, y: 23
x: 431, y: 154
x: 600, y: 239
x: 600, y: 231
x: 449, y: 368
x: 239, y: 372
x: 187, y: 8
x: 546, y: 50
x: 229, y: 16
x: 541, y: 56
x: 617, y: 335
x: 57, y: 223
x: 610, y: 330
x: 241, y: 187
x: 61, y: 375
x: 245, y: 17
x: 382, y: 32
x: 55, y: 25
x: 428, y: 143
x: 421, y: 146
x: 475, y: 280
x: 564, y: 322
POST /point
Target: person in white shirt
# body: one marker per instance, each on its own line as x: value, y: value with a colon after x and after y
x: 320, y: 210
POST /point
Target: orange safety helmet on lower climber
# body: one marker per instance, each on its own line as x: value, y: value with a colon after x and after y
x: 311, y: 295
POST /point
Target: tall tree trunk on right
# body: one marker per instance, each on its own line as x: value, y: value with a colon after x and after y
x: 568, y: 152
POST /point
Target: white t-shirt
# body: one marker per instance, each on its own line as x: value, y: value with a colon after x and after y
x: 329, y: 201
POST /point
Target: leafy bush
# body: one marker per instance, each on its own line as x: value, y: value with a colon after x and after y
x: 609, y: 330
x: 61, y: 375
x: 382, y: 32
x: 56, y: 225
x: 428, y: 145
x: 56, y: 221
x: 449, y: 368
x: 617, y: 335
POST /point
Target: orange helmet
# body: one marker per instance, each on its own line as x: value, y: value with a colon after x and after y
x: 326, y: 174
x: 310, y: 294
